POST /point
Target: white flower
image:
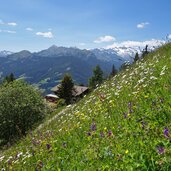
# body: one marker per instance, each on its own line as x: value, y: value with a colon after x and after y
x: 134, y: 92
x: 16, y: 161
x: 19, y: 154
x: 124, y: 76
x: 1, y: 158
x: 141, y: 81
x: 153, y: 78
x: 162, y: 73
x: 163, y: 69
x: 116, y: 94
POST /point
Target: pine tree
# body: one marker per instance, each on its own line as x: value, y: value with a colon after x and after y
x: 9, y: 78
x: 145, y: 51
x: 114, y: 71
x: 136, y: 57
x: 66, y: 89
x: 97, y: 77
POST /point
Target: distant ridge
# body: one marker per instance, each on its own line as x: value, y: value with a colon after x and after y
x: 46, y: 68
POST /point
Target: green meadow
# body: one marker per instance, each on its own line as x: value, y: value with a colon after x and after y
x: 124, y: 124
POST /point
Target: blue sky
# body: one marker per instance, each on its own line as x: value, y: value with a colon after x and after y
x: 37, y: 24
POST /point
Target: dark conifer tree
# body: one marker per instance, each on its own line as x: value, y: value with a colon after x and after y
x: 66, y: 89
x: 114, y: 71
x: 97, y: 77
x: 145, y: 51
x: 9, y: 78
x: 136, y: 57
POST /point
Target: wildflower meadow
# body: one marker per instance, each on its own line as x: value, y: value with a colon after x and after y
x: 124, y: 124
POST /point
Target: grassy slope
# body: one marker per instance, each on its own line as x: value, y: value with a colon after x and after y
x: 120, y: 126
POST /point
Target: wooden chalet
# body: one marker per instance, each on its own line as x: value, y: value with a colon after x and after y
x: 78, y: 92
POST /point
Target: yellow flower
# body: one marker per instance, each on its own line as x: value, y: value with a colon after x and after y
x: 146, y: 97
x: 126, y: 152
x: 105, y: 129
x: 110, y: 101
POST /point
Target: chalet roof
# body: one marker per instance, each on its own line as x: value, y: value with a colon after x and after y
x: 52, y: 95
x: 78, y: 90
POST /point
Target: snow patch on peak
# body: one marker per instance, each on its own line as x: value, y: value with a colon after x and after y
x: 5, y: 53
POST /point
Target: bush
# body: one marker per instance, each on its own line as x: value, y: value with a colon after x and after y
x: 21, y: 106
x: 60, y: 103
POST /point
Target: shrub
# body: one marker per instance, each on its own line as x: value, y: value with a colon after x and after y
x: 60, y: 103
x: 21, y: 107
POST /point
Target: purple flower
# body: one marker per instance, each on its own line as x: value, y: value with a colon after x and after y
x: 48, y: 146
x: 143, y: 124
x: 89, y: 133
x: 125, y: 115
x: 9, y: 162
x: 160, y: 150
x: 35, y: 142
x: 166, y: 132
x: 130, y: 105
x: 64, y: 144
x: 153, y: 103
x: 131, y: 111
x: 40, y: 164
x: 93, y: 127
x: 101, y: 134
x: 161, y: 100
x: 109, y: 133
x: 33, y: 152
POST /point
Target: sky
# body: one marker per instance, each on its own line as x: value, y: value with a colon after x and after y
x: 38, y: 24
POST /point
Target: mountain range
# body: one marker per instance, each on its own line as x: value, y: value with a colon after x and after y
x: 46, y: 68
x: 5, y: 53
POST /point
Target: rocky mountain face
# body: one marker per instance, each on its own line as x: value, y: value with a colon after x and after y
x: 47, y: 67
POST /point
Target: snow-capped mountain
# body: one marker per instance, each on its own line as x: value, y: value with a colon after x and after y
x: 126, y: 52
x: 117, y: 55
x: 109, y: 55
x: 129, y: 48
x: 5, y: 53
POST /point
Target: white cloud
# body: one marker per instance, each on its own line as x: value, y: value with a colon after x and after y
x: 142, y: 25
x: 12, y: 24
x: 45, y: 34
x: 8, y: 31
x: 141, y: 44
x: 105, y: 39
x: 29, y: 29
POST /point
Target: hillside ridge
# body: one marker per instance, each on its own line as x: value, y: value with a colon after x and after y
x: 123, y: 125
